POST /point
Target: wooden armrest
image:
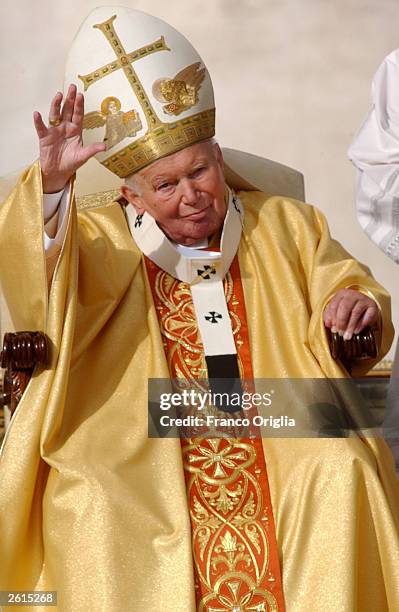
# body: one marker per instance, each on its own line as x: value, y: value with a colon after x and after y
x: 22, y: 351
x: 361, y: 346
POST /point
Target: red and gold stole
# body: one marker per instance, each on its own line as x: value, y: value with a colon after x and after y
x: 236, y: 563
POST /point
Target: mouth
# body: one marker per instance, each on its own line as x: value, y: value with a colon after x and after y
x: 197, y: 216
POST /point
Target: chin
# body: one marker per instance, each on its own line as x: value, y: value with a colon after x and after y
x: 189, y: 240
x: 196, y: 233
x: 201, y: 234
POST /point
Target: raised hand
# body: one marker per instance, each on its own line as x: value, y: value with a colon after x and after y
x: 350, y: 311
x: 61, y: 148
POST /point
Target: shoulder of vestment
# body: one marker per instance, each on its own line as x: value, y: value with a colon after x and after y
x: 260, y: 199
x: 101, y: 199
x: 266, y: 214
x: 103, y: 214
x: 263, y: 204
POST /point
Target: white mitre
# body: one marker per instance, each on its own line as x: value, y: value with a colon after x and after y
x: 147, y: 91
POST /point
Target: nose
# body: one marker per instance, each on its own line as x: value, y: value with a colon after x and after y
x: 189, y: 195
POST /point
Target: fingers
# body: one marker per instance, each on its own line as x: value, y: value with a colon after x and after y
x: 349, y: 312
x: 91, y: 150
x: 72, y: 109
x: 78, y: 110
x: 349, y: 315
x: 370, y: 317
x: 55, y: 107
x: 40, y: 128
x: 330, y: 313
x: 67, y: 109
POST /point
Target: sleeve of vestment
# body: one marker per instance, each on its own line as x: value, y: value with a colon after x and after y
x: 55, y: 212
x: 332, y: 269
x: 375, y: 154
x: 32, y: 306
x: 28, y: 216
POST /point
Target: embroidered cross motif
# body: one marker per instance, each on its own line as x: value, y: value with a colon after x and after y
x: 124, y: 61
x: 214, y: 316
x: 138, y: 221
x: 206, y: 272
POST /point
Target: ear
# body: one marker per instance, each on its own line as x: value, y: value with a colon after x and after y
x: 133, y: 198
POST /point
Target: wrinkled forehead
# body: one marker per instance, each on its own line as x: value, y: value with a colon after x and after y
x: 181, y: 161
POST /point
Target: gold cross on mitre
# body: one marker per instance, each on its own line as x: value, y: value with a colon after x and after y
x: 124, y: 61
x: 173, y: 92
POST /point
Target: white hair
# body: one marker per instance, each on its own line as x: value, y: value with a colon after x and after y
x: 131, y: 180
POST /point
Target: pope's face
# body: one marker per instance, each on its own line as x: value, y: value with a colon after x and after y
x: 184, y: 193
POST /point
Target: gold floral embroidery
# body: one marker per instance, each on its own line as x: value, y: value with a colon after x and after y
x: 179, y: 325
x: 241, y: 596
x: 229, y: 526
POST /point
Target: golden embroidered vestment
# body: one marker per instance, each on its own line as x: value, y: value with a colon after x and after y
x: 92, y: 508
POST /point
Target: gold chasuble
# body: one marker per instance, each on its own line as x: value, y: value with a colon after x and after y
x: 92, y: 508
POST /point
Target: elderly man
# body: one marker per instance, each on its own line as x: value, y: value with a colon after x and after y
x: 107, y: 517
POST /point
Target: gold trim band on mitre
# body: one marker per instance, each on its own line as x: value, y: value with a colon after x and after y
x: 160, y: 142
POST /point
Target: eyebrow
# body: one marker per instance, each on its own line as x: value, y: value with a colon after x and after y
x: 161, y: 178
x: 166, y: 177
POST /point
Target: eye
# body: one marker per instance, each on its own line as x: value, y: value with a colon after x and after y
x: 198, y: 172
x: 164, y: 186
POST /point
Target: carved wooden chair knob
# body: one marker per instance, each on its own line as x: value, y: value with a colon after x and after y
x: 22, y: 351
x: 361, y: 346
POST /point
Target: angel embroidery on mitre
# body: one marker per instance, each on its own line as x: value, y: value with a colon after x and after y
x: 118, y: 124
x: 181, y: 92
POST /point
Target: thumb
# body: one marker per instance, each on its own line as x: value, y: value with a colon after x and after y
x: 91, y: 150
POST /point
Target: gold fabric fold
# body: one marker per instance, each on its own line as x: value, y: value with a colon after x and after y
x: 336, y: 501
x: 89, y: 506
x: 92, y: 508
x: 23, y: 276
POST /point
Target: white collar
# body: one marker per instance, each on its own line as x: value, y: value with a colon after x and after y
x: 185, y: 263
